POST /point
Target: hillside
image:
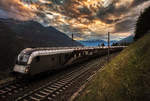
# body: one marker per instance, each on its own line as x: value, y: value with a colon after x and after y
x: 128, y: 39
x: 38, y: 34
x: 90, y: 43
x: 10, y: 46
x: 125, y: 78
x: 16, y: 35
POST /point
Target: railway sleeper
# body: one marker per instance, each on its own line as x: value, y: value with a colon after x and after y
x: 44, y: 93
x: 47, y: 90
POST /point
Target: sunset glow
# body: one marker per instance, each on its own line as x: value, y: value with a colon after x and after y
x: 81, y: 17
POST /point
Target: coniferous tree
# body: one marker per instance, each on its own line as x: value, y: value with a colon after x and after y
x: 143, y: 24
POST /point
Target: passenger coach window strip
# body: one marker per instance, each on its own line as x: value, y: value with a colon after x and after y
x: 53, y: 58
x: 37, y: 59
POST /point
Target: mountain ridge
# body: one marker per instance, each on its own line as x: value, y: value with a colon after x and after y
x: 95, y: 42
x: 36, y: 32
x: 14, y: 38
x: 128, y: 39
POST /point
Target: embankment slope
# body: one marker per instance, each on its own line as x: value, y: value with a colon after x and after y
x: 17, y: 35
x: 125, y: 78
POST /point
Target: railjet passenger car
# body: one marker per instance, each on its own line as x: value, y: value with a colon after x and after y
x: 32, y: 61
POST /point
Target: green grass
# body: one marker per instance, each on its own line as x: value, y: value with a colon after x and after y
x: 125, y: 78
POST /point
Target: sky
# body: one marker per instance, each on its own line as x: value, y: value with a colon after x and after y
x: 86, y: 19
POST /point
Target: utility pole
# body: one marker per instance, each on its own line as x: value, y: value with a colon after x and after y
x: 72, y: 36
x: 72, y: 39
x: 108, y: 58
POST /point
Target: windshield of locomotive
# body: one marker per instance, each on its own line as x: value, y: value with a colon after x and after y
x: 22, y: 59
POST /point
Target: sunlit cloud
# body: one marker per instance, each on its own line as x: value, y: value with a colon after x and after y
x: 17, y: 9
x: 86, y: 19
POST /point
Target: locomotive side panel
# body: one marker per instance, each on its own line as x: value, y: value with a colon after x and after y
x: 47, y: 60
x: 44, y: 63
x: 47, y: 63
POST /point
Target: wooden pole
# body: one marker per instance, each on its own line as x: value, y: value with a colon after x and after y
x: 72, y: 39
x: 72, y: 36
x: 108, y: 46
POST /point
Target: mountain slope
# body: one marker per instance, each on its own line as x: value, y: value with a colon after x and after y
x: 126, y: 78
x: 95, y: 42
x: 128, y: 39
x: 9, y: 46
x: 35, y: 32
x: 92, y: 42
x: 16, y: 35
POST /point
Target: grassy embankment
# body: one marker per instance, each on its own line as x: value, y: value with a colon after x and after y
x: 125, y: 78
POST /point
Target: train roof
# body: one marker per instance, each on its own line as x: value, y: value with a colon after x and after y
x: 58, y: 49
x: 34, y: 52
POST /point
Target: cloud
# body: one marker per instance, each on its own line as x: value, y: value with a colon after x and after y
x: 92, y: 18
x: 128, y: 22
x: 138, y: 2
x: 3, y: 14
x: 124, y: 26
x: 87, y: 19
x: 15, y: 9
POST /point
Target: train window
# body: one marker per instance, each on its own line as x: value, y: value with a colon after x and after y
x: 66, y: 56
x: 25, y: 58
x: 60, y: 58
x: 21, y: 57
x: 37, y: 59
x: 16, y: 61
x: 53, y: 59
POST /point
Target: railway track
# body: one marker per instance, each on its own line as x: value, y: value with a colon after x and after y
x: 22, y: 90
x: 11, y: 87
x: 52, y: 89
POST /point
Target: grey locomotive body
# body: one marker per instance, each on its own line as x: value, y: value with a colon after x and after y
x: 35, y: 61
x: 32, y: 61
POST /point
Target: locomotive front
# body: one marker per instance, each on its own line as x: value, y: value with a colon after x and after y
x: 21, y: 65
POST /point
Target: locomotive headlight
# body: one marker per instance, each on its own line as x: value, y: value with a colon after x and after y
x: 26, y: 70
x: 21, y: 69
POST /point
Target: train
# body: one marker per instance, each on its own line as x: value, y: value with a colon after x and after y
x: 32, y: 61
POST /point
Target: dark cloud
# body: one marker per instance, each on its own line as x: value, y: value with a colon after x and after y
x: 104, y: 13
x: 76, y: 16
x: 15, y: 9
x: 124, y: 26
x: 84, y: 10
x: 119, y: 14
x: 3, y: 14
x: 138, y: 2
x: 127, y: 24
